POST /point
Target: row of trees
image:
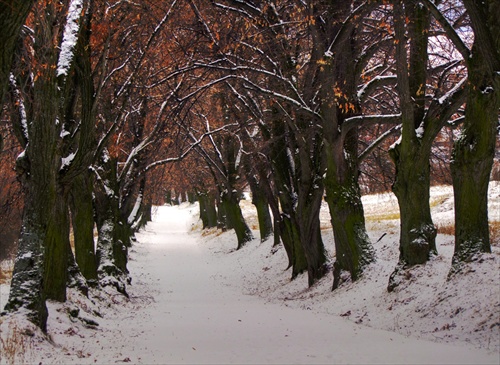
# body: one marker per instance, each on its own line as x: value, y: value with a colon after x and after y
x: 85, y: 105
x: 306, y: 83
x: 291, y: 98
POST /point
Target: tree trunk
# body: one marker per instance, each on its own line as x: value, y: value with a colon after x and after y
x: 261, y: 203
x: 37, y: 168
x: 168, y: 197
x: 202, y: 199
x: 146, y: 214
x: 112, y: 252
x: 211, y: 210
x: 83, y: 226
x: 191, y: 197
x: 230, y: 205
x: 310, y: 233
x: 222, y: 220
x: 474, y: 151
x: 471, y: 167
x: 283, y: 167
x: 310, y: 195
x: 290, y: 235
x: 208, y: 213
x: 353, y: 247
x: 417, y: 237
x: 26, y: 288
x: 57, y: 251
x: 264, y: 216
x: 108, y: 270
x: 417, y: 241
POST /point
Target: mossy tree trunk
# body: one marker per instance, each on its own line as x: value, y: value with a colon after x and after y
x: 411, y: 187
x: 474, y: 151
x: 82, y: 214
x: 38, y: 170
x: 230, y: 205
x: 353, y: 248
x: 261, y: 203
x: 79, y: 179
x: 421, y: 123
x: 57, y: 251
x: 411, y: 156
x: 208, y: 212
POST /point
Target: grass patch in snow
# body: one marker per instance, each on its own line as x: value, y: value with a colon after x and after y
x: 383, y: 217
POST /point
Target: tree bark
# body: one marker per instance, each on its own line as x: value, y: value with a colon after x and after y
x: 57, y: 251
x: 112, y: 252
x: 82, y: 214
x: 208, y: 212
x: 284, y: 176
x: 13, y: 14
x: 261, y: 203
x: 411, y: 156
x: 418, y: 234
x: 230, y: 205
x: 28, y: 276
x: 310, y: 195
x: 353, y: 247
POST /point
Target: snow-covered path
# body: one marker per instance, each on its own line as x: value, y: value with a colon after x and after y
x: 190, y: 303
x: 195, y: 318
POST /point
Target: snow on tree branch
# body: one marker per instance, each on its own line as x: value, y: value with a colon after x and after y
x: 378, y: 141
x: 22, y: 109
x: 352, y: 122
x: 70, y: 37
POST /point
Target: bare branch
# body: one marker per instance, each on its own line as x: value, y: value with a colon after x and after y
x: 378, y: 141
x: 448, y: 28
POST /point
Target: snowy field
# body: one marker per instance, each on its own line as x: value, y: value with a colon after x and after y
x: 194, y: 299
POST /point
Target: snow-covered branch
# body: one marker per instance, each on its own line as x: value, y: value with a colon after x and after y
x: 70, y: 37
x: 352, y: 122
x: 374, y: 83
x: 22, y: 110
x: 449, y: 95
x: 378, y: 141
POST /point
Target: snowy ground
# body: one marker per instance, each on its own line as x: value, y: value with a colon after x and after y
x: 196, y: 300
